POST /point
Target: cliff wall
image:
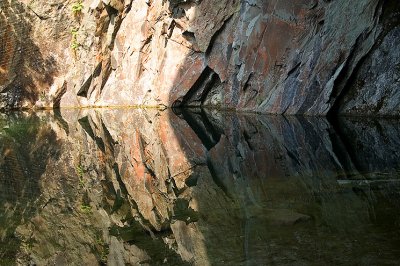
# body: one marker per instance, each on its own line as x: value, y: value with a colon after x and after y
x: 312, y: 57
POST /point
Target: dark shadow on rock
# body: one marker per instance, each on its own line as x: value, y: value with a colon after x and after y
x: 24, y: 71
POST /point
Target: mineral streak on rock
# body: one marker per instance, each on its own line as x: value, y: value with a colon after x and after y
x: 309, y: 57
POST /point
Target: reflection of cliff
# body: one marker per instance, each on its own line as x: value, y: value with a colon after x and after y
x: 278, y: 171
x: 372, y: 144
x: 131, y: 186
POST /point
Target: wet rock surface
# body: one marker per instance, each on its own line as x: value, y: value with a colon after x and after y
x: 309, y: 57
x: 123, y: 186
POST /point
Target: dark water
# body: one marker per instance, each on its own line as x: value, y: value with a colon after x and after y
x: 122, y: 187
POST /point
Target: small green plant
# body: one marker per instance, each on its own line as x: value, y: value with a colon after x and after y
x: 74, y: 40
x: 104, y: 254
x: 79, y: 171
x: 77, y: 7
x: 81, y: 182
x: 75, y: 45
x: 74, y: 32
x: 86, y: 208
x: 102, y: 249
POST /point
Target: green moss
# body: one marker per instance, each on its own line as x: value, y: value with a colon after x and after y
x: 74, y: 40
x: 77, y: 7
x: 79, y: 170
x: 86, y: 209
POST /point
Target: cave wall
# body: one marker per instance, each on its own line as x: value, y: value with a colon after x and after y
x: 309, y: 57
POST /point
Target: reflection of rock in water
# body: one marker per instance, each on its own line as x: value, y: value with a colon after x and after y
x: 285, y: 171
x: 203, y: 187
x: 372, y: 144
x: 26, y: 146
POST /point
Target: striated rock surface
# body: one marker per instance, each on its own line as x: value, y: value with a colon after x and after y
x: 309, y: 57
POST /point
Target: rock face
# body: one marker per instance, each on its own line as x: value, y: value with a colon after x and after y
x: 375, y: 87
x: 310, y: 57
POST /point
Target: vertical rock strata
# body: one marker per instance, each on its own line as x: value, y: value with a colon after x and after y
x: 288, y: 57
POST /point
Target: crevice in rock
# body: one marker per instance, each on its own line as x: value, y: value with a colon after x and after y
x: 59, y: 94
x: 189, y: 36
x: 216, y: 34
x: 199, y: 91
x: 111, y: 10
x: 83, y: 91
x: 37, y: 15
x: 106, y: 70
x: 250, y: 90
x: 349, y: 67
x: 293, y: 70
x: 247, y: 84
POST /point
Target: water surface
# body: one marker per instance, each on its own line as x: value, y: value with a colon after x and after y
x: 120, y: 186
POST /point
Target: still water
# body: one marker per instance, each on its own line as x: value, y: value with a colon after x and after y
x: 128, y: 187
